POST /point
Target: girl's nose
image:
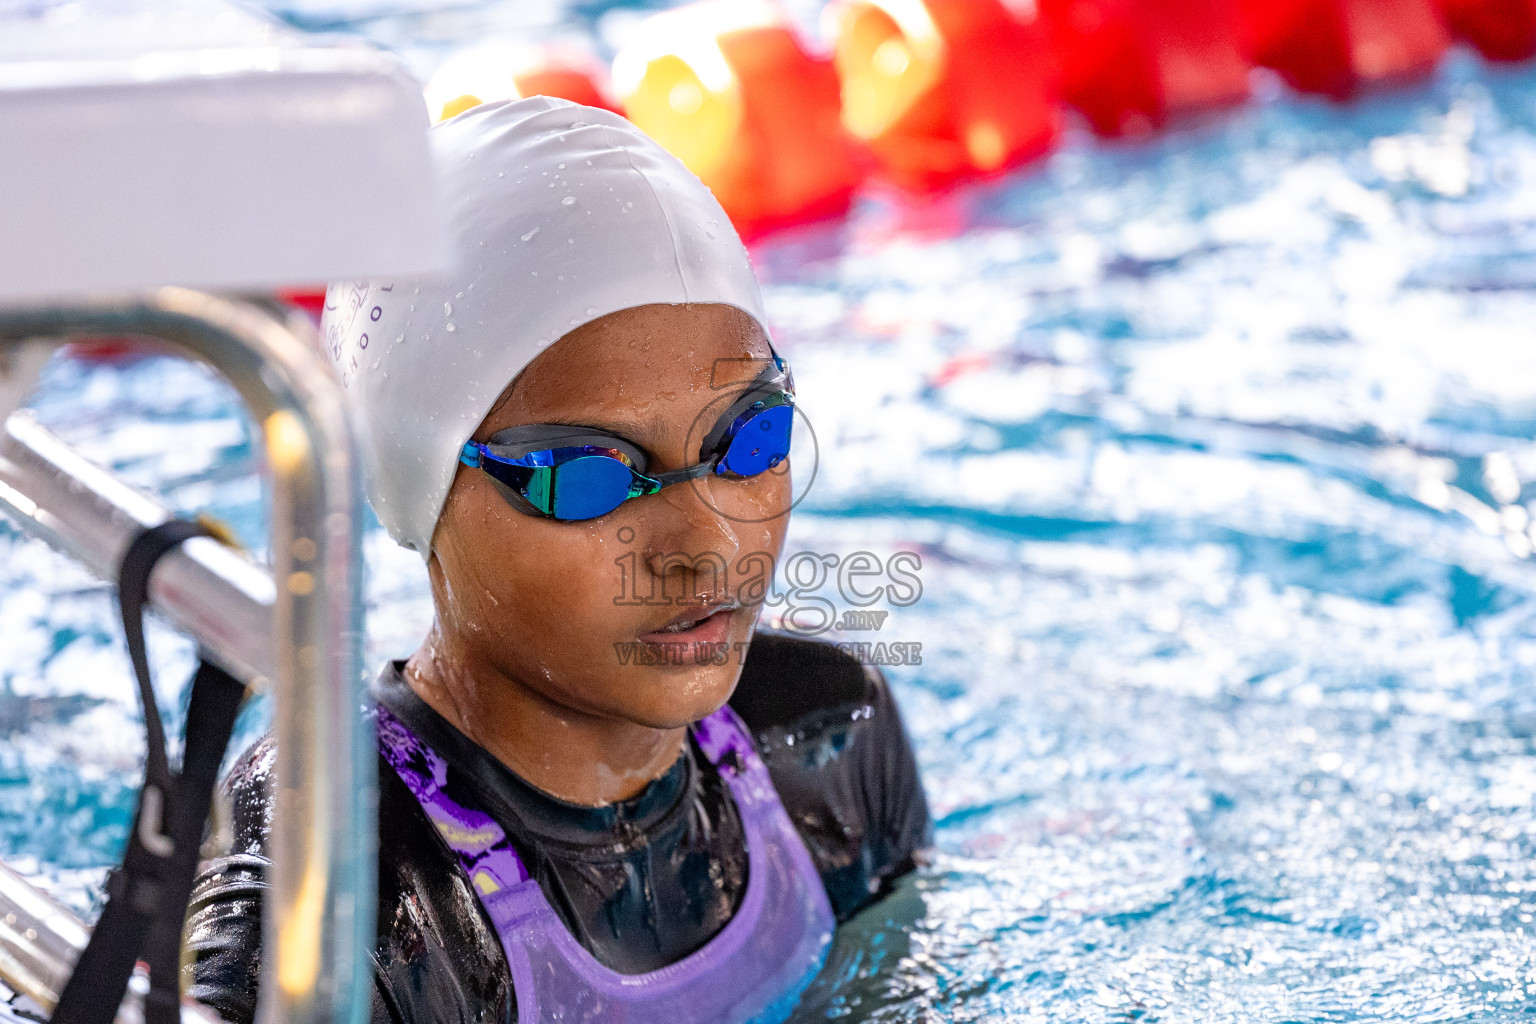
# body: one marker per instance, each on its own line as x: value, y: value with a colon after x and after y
x: 687, y: 530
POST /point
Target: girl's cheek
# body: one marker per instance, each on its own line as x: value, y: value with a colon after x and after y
x: 564, y: 579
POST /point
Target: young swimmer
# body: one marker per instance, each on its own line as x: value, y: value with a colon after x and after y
x: 573, y: 823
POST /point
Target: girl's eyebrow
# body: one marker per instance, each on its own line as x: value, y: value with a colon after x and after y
x: 632, y: 432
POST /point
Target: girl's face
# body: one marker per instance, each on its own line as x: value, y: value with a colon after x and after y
x: 579, y: 611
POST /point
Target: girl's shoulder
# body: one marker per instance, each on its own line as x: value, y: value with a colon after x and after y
x: 437, y: 958
x: 786, y: 677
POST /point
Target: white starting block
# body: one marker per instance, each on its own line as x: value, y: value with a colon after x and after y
x: 190, y: 142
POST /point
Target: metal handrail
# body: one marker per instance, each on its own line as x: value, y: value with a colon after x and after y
x: 320, y: 904
x: 213, y: 592
x: 39, y: 940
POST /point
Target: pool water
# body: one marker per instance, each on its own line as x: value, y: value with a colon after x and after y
x: 1216, y: 456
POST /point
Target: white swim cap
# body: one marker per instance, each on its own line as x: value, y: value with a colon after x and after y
x: 558, y: 214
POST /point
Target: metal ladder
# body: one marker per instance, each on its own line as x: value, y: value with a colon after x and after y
x: 294, y: 630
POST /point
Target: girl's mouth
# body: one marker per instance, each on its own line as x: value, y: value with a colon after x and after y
x: 706, y: 624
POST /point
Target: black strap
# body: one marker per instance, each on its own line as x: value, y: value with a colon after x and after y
x: 147, y: 896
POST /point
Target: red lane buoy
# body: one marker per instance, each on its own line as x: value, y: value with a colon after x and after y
x: 111, y: 350
x: 729, y: 88
x: 1129, y: 65
x: 501, y: 71
x: 1338, y: 47
x: 1500, y: 29
x: 944, y: 89
x: 310, y: 299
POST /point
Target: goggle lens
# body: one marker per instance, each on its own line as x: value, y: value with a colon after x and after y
x: 588, y: 487
x: 760, y: 443
x: 568, y: 483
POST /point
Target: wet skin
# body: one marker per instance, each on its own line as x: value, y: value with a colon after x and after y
x: 522, y: 653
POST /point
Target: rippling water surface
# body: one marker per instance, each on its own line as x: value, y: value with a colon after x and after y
x: 1218, y: 457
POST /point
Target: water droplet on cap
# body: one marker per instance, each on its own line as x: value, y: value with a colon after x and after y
x: 568, y: 201
x: 447, y: 309
x: 529, y: 236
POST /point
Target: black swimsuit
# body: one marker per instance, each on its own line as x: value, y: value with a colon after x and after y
x: 641, y: 883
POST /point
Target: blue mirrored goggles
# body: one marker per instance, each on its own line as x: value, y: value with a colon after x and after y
x: 571, y: 473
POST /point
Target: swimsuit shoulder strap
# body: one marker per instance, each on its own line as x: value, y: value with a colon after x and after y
x: 723, y: 737
x: 481, y: 844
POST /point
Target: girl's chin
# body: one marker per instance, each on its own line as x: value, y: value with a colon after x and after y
x: 680, y: 697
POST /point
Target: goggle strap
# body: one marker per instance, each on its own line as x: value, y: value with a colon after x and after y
x: 693, y: 472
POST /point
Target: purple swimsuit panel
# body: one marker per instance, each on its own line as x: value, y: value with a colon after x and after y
x: 754, y: 969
